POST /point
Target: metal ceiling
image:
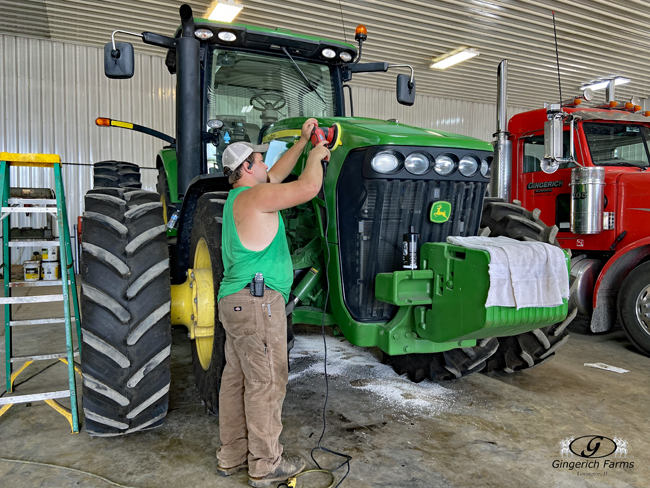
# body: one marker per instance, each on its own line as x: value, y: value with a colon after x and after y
x: 596, y: 38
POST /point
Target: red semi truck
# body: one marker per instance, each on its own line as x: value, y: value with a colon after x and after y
x: 585, y: 169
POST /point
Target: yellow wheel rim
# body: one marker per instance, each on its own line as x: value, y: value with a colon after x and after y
x: 203, y: 344
x: 163, y: 200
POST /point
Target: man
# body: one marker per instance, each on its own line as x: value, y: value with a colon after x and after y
x: 254, y: 380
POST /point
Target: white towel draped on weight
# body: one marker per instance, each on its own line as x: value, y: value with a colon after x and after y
x: 522, y: 274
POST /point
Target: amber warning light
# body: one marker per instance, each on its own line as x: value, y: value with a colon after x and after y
x: 103, y: 121
x: 361, y: 33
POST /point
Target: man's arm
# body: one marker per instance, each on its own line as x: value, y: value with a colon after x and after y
x: 272, y: 197
x: 283, y: 167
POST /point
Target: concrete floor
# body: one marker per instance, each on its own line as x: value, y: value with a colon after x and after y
x: 481, y: 431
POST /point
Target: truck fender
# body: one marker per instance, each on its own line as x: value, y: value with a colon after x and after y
x: 609, y: 282
x: 181, y: 251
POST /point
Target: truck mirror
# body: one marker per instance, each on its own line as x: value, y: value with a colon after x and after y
x: 553, y: 144
x: 118, y: 62
x: 405, y: 90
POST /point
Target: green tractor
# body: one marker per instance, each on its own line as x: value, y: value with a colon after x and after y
x: 153, y: 259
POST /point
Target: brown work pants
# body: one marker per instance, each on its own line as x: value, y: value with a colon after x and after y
x: 254, y: 380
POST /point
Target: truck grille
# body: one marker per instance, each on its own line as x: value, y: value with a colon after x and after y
x: 373, y: 215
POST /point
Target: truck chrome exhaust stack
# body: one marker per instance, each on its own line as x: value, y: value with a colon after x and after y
x: 502, y: 164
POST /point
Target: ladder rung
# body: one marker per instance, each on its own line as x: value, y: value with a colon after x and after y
x: 15, y: 323
x: 28, y: 284
x: 42, y: 357
x: 30, y: 299
x: 10, y: 210
x: 33, y: 201
x: 50, y: 395
x: 34, y: 244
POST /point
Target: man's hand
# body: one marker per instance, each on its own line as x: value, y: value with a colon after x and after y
x: 319, y: 152
x: 307, y: 128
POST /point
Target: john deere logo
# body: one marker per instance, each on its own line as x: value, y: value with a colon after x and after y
x: 440, y: 212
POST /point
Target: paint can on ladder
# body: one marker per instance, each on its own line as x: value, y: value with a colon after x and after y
x: 31, y: 270
x: 50, y: 253
x: 50, y: 270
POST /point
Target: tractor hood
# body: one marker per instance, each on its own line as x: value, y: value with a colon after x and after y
x: 359, y: 132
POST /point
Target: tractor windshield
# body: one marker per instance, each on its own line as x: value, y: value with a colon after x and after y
x: 615, y: 144
x: 248, y: 92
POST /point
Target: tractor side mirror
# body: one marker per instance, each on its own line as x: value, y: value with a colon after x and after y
x: 405, y: 90
x: 119, y: 62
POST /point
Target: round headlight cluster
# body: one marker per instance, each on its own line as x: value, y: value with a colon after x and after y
x: 417, y: 163
x: 345, y: 57
x: 485, y: 166
x: 384, y: 162
x: 468, y: 166
x: 445, y: 164
x: 203, y: 34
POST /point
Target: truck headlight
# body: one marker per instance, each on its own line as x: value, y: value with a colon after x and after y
x: 345, y: 57
x: 468, y: 166
x: 485, y: 166
x: 384, y: 162
x: 417, y: 163
x: 227, y: 36
x: 328, y: 53
x: 203, y: 34
x: 445, y: 164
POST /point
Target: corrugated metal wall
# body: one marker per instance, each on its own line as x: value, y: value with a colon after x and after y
x: 51, y: 93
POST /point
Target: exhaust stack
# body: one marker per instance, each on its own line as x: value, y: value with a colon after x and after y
x: 502, y: 163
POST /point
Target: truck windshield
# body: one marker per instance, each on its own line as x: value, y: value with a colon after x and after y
x: 612, y: 144
x: 248, y: 92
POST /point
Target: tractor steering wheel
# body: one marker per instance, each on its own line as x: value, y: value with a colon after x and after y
x: 268, y: 100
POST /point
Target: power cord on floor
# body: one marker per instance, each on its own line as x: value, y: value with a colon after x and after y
x: 86, y: 473
x: 319, y: 447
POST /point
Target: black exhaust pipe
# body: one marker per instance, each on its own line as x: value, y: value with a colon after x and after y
x: 188, y: 102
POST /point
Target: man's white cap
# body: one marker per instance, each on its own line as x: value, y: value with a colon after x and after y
x: 236, y: 153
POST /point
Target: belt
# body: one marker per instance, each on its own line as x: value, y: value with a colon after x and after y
x: 265, y: 287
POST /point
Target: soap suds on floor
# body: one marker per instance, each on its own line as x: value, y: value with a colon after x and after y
x: 359, y: 368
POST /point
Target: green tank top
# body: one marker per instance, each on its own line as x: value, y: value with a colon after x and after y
x: 241, y: 264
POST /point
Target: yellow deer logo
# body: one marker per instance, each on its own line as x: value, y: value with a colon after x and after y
x: 440, y: 212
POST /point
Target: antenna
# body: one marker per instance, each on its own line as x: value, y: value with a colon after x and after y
x: 557, y: 58
x: 342, y: 21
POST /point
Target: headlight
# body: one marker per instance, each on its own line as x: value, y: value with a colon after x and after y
x: 417, y: 163
x: 468, y: 166
x: 384, y: 162
x: 227, y: 36
x: 444, y: 165
x: 485, y: 166
x: 203, y: 34
x: 328, y: 53
x: 345, y: 57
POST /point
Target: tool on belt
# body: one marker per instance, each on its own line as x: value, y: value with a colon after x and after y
x: 330, y: 134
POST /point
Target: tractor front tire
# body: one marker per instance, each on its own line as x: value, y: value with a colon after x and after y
x: 116, y: 174
x: 208, y: 354
x: 444, y: 366
x: 125, y: 304
x: 533, y: 348
x: 634, y: 307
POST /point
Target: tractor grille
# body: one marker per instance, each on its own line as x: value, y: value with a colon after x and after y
x: 373, y: 216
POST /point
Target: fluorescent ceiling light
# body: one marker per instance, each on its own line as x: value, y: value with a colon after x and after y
x: 454, y: 57
x: 603, y: 84
x: 225, y: 11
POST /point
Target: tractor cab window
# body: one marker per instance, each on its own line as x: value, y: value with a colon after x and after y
x: 248, y: 92
x: 612, y: 144
x: 534, y: 153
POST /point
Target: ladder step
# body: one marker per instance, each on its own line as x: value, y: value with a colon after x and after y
x: 50, y: 395
x: 42, y: 357
x: 15, y: 323
x: 32, y: 201
x: 30, y: 299
x: 28, y: 284
x: 9, y: 210
x: 34, y: 243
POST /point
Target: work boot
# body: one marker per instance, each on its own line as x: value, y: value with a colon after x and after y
x: 289, y: 466
x: 231, y: 471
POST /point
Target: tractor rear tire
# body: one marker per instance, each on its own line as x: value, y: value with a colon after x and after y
x: 530, y: 349
x: 116, y: 174
x: 207, y: 226
x: 444, y: 366
x: 125, y: 304
x: 634, y: 307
